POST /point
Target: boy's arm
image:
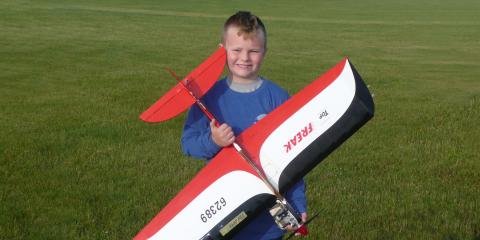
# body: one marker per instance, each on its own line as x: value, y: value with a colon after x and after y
x: 196, y: 137
x: 296, y: 197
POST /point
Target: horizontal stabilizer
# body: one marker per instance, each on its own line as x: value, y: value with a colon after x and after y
x: 178, y: 99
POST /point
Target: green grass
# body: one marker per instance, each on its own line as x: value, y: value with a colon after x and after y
x: 77, y: 163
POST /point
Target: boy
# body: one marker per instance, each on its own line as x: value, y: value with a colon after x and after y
x: 238, y: 101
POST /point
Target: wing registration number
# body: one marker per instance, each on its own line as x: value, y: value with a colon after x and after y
x: 213, y: 209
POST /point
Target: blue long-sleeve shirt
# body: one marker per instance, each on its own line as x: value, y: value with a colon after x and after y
x: 239, y: 110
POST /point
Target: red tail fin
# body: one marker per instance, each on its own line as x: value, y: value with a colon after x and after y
x: 199, y: 81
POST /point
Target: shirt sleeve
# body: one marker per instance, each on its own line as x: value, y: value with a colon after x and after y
x: 196, y: 137
x: 296, y: 197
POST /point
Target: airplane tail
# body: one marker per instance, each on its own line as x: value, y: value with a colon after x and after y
x: 198, y: 82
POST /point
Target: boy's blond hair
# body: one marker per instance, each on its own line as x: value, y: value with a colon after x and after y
x: 249, y: 26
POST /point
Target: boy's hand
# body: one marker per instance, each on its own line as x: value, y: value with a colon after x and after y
x: 304, y: 232
x: 223, y: 135
x: 299, y: 233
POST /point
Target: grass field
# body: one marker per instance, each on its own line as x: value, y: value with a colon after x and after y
x: 77, y: 163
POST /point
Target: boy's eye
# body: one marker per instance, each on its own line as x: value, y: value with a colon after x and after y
x: 236, y: 50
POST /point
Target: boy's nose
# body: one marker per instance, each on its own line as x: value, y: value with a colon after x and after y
x: 244, y: 56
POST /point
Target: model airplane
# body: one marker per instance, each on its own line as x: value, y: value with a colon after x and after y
x: 266, y: 159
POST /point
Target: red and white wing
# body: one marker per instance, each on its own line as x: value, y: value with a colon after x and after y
x: 224, y: 195
x: 299, y: 134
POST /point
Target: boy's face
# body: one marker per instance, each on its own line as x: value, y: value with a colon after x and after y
x: 244, y: 55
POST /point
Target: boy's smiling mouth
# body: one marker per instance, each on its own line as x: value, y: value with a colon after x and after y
x: 244, y: 66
